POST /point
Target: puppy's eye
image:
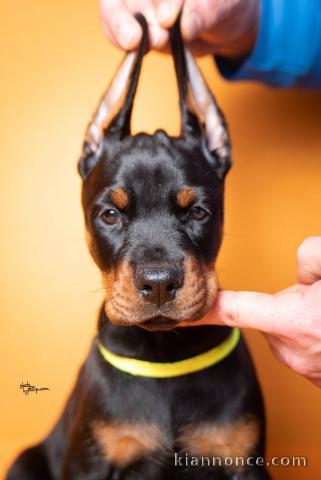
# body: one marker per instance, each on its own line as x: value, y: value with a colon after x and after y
x: 111, y: 216
x: 197, y: 213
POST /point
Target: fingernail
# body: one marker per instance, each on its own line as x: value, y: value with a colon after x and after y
x: 192, y: 25
x: 126, y: 36
x: 164, y: 12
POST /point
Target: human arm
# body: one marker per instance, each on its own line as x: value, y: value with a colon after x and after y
x: 287, y: 50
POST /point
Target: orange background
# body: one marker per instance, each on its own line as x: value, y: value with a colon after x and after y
x: 55, y: 64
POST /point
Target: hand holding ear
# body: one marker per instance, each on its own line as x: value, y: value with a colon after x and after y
x: 224, y: 27
x: 290, y: 320
x: 123, y: 30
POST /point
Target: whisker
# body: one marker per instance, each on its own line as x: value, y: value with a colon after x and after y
x: 97, y: 290
x: 112, y: 298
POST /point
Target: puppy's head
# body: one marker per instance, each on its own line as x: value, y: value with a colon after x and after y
x: 153, y: 204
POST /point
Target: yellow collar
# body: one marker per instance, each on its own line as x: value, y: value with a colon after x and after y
x: 143, y: 368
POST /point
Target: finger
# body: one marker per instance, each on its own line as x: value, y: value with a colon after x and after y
x: 248, y: 310
x: 119, y: 24
x: 109, y: 34
x: 158, y: 36
x: 167, y: 11
x: 272, y: 314
x: 197, y: 17
x: 309, y: 260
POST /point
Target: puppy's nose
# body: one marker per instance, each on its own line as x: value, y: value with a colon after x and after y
x: 158, y: 284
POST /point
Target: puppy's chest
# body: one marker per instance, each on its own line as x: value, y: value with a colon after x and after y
x: 160, y: 418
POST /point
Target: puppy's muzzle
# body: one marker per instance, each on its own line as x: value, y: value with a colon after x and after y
x: 158, y: 285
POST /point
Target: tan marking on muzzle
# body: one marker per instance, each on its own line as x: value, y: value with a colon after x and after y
x: 120, y: 198
x: 185, y: 197
x: 199, y: 290
x: 123, y: 443
x: 237, y: 439
x: 123, y: 304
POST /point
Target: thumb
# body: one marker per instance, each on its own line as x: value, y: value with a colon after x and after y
x: 245, y: 310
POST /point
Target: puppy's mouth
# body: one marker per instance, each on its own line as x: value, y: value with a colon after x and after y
x: 127, y: 303
x: 158, y: 323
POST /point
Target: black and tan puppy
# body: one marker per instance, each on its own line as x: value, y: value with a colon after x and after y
x: 151, y: 399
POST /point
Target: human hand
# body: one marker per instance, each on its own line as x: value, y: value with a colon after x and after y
x: 224, y: 27
x: 290, y: 320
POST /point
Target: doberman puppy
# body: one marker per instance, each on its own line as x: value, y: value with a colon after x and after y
x: 153, y: 401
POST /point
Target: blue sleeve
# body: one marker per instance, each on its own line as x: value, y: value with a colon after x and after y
x: 288, y: 46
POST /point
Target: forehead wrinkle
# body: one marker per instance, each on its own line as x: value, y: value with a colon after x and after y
x: 151, y: 179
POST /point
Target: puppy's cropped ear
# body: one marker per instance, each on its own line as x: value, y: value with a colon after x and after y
x: 200, y: 115
x: 111, y: 120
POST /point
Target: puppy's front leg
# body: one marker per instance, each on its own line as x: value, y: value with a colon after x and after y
x: 143, y: 469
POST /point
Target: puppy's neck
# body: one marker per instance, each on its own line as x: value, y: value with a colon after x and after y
x: 159, y: 346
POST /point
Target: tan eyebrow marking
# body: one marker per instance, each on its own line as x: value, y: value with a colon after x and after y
x: 185, y: 197
x: 120, y: 198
